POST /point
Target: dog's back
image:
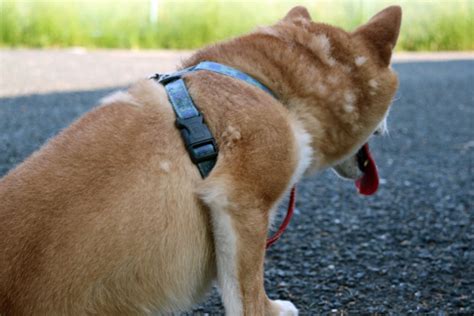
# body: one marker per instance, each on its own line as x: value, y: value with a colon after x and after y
x: 87, y: 217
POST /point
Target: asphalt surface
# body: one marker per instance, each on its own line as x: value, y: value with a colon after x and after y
x: 407, y: 249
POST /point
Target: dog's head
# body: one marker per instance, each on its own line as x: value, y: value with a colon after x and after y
x: 351, y: 87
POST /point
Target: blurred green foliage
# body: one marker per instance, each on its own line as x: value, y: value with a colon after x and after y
x: 184, y: 24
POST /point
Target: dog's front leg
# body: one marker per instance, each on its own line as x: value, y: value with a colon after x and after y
x: 240, y: 231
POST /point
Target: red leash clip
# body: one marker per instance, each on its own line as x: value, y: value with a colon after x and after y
x: 286, y: 221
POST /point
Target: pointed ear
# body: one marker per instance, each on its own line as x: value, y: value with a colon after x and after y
x: 381, y: 32
x: 297, y: 12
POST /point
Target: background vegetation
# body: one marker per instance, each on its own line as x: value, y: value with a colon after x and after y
x: 184, y: 24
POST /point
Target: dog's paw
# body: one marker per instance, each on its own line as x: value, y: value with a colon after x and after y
x: 286, y: 308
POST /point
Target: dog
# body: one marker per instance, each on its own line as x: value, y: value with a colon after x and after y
x: 111, y: 217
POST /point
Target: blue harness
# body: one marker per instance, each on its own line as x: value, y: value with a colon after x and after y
x: 197, y: 137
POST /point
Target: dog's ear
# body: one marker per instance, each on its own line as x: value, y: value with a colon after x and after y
x: 297, y: 12
x: 381, y: 32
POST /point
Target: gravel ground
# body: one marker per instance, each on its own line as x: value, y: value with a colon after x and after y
x: 407, y: 249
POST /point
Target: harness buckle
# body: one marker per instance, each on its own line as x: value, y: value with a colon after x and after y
x: 198, y: 139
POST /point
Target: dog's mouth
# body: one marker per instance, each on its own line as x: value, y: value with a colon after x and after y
x: 368, y: 183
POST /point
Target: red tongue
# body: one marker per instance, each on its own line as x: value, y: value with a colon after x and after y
x: 369, y: 182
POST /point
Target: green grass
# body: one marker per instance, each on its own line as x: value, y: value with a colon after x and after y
x: 427, y: 25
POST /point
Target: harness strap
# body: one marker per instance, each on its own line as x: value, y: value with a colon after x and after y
x: 197, y: 137
x: 214, y: 67
x: 199, y: 142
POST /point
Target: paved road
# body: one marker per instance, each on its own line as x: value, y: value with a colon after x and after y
x: 409, y: 248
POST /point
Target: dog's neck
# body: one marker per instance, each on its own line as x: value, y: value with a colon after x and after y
x: 285, y: 73
x: 252, y: 54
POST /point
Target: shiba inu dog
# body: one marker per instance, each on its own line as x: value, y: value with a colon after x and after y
x: 111, y: 217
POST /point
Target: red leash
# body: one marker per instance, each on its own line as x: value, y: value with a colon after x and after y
x: 286, y: 221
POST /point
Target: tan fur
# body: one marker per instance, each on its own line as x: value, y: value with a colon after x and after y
x: 111, y: 216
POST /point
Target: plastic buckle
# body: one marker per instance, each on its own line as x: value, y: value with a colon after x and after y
x: 196, y: 134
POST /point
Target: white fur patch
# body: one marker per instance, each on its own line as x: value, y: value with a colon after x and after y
x: 349, y: 100
x: 225, y: 240
x: 231, y: 135
x: 321, y: 44
x: 286, y: 308
x: 373, y: 83
x: 383, y: 126
x: 360, y: 60
x: 119, y: 96
x: 305, y: 151
x: 268, y: 30
x: 165, y: 166
x: 348, y: 107
x: 322, y: 41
